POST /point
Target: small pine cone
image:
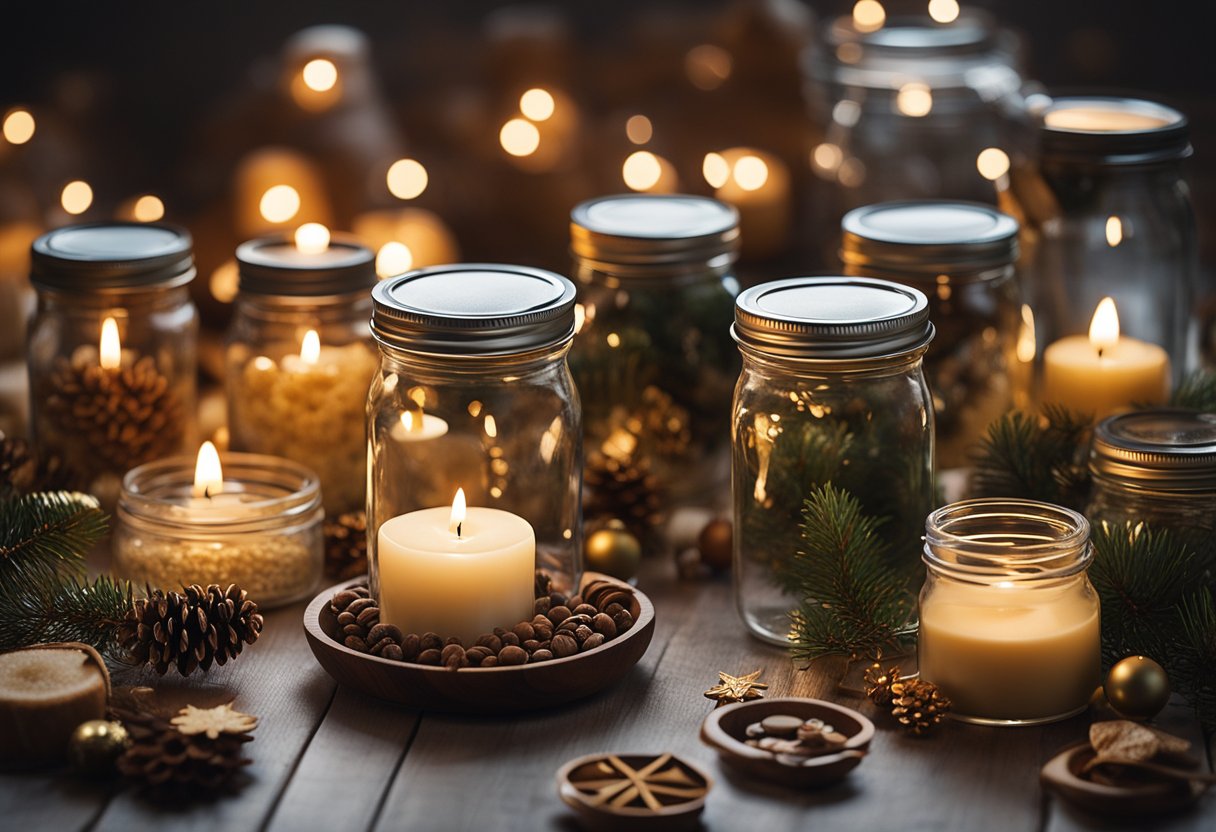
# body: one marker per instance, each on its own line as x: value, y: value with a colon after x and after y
x: 878, y: 683
x: 191, y: 629
x: 664, y: 423
x: 163, y: 760
x: 919, y: 706
x: 21, y: 472
x: 345, y: 545
x: 622, y: 487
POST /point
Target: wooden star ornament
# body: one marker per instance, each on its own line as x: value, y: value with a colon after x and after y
x: 213, y: 721
x: 732, y: 689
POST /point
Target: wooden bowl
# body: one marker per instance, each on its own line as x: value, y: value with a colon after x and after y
x: 1155, y: 795
x: 726, y: 730
x: 479, y: 690
x: 579, y: 782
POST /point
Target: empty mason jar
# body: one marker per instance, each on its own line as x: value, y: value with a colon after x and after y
x: 961, y: 255
x: 832, y: 391
x: 473, y: 392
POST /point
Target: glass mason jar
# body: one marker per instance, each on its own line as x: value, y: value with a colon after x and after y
x: 906, y: 108
x: 1107, y: 213
x: 653, y: 357
x: 262, y: 531
x: 112, y: 350
x: 474, y: 392
x: 1157, y: 467
x: 961, y: 255
x: 1008, y: 618
x: 832, y: 391
x: 300, y: 359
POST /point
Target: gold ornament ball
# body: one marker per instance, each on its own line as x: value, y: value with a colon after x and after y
x: 613, y: 551
x: 1137, y: 687
x: 717, y: 543
x: 95, y: 745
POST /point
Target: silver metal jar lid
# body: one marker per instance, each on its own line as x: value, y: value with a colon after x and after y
x: 473, y: 309
x: 654, y: 230
x: 275, y: 266
x: 1148, y: 132
x: 112, y: 257
x: 929, y: 236
x: 1163, y: 448
x: 832, y: 318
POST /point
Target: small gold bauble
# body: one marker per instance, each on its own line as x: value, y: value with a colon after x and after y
x: 95, y: 745
x: 1137, y: 687
x: 613, y: 551
x: 716, y: 543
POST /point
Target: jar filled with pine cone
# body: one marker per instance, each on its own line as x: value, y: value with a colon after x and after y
x: 622, y: 487
x: 191, y: 629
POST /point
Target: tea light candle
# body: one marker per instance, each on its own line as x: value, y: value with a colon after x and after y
x: 456, y: 571
x: 1105, y: 372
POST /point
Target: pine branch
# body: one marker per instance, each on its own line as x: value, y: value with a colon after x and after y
x: 1193, y: 667
x: 1197, y: 392
x: 851, y: 603
x: 1036, y: 457
x: 44, y: 537
x: 66, y: 611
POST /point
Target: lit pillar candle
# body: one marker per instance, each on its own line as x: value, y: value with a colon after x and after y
x: 1105, y: 372
x: 456, y: 571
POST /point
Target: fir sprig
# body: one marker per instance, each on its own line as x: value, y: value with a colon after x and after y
x: 859, y: 606
x: 44, y: 537
x: 88, y: 612
x: 1197, y: 392
x: 1036, y: 457
x: 1196, y: 656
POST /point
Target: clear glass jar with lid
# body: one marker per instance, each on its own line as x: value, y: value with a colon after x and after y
x: 1157, y: 467
x: 832, y: 391
x: 1108, y: 214
x: 112, y: 350
x: 473, y: 392
x: 653, y: 357
x: 961, y: 255
x: 300, y: 359
x: 996, y: 567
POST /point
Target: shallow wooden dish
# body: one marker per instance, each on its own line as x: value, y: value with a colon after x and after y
x: 683, y: 813
x: 1062, y: 774
x: 726, y: 730
x: 480, y: 690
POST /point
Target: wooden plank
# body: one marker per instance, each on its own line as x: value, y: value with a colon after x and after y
x: 278, y: 681
x: 49, y: 800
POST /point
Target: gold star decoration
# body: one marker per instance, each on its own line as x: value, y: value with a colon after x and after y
x: 213, y: 721
x: 613, y: 782
x: 736, y: 688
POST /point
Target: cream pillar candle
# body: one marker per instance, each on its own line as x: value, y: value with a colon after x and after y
x: 456, y: 571
x: 1106, y: 372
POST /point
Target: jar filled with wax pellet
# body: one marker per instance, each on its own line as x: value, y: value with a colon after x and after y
x: 300, y: 359
x: 1107, y: 213
x: 1157, y: 467
x: 832, y: 392
x: 961, y: 255
x: 1008, y: 618
x: 473, y: 392
x: 652, y: 356
x: 112, y: 351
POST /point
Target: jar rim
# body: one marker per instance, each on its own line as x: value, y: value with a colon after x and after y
x: 109, y: 257
x: 1164, y: 135
x: 272, y: 266
x: 929, y: 236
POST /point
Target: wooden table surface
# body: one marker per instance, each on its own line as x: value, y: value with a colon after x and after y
x: 326, y: 758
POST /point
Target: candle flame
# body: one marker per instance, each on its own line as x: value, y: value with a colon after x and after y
x: 310, y: 347
x: 208, y: 475
x: 458, y: 512
x: 410, y: 423
x: 1104, y: 328
x: 110, y: 348
x: 312, y: 238
x: 1114, y: 231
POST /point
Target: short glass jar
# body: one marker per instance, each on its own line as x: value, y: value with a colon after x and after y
x: 653, y: 358
x: 1157, y: 467
x: 832, y: 391
x: 300, y: 359
x: 1108, y: 214
x: 112, y: 351
x: 1008, y: 618
x: 961, y: 255
x: 261, y: 530
x: 474, y: 392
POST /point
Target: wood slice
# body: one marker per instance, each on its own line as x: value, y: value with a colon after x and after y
x: 594, y: 785
x: 479, y: 690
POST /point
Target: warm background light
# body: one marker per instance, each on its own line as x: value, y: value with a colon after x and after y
x: 943, y: 11
x: 750, y: 173
x: 279, y: 204
x: 868, y: 15
x: 312, y: 238
x: 1114, y: 231
x: 19, y: 126
x: 519, y: 137
x: 641, y: 170
x: 827, y: 157
x: 1104, y: 328
x: 225, y: 281
x: 109, y: 349
x: 320, y: 74
x: 707, y: 66
x: 393, y: 258
x: 407, y: 179
x: 148, y: 208
x: 992, y: 163
x: 715, y: 169
x: 639, y: 129
x: 537, y: 104
x: 914, y: 99
x: 76, y: 197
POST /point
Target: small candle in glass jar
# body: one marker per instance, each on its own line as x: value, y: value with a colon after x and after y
x: 1008, y: 619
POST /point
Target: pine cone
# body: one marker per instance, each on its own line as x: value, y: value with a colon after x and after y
x: 124, y: 417
x: 21, y: 472
x: 346, y: 545
x: 190, y: 629
x: 164, y: 759
x: 919, y: 706
x: 878, y: 683
x: 664, y: 423
x: 622, y: 487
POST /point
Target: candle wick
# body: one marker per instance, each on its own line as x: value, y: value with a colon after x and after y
x: 1100, y: 351
x: 458, y: 528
